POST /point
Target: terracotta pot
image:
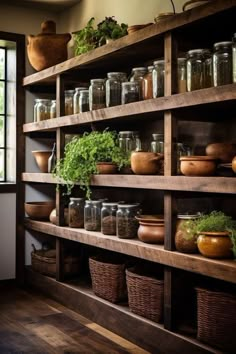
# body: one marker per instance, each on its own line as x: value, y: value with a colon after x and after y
x: 234, y: 164
x: 151, y: 232
x: 106, y: 168
x: 39, y: 210
x: 47, y: 48
x: 41, y: 158
x: 222, y: 151
x: 198, y: 165
x: 145, y: 163
x: 215, y: 244
x: 53, y: 216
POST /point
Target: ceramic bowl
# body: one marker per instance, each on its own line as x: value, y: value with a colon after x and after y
x: 223, y: 151
x: 145, y: 163
x: 106, y: 168
x: 198, y: 165
x: 215, y: 244
x: 234, y: 164
x: 41, y: 158
x: 150, y: 218
x: 151, y: 232
x: 39, y: 210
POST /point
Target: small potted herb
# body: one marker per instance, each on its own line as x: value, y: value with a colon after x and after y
x: 110, y: 29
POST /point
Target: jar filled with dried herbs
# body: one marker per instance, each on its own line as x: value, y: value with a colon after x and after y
x: 158, y: 78
x: 195, y: 69
x: 147, y: 89
x: 182, y: 75
x: 108, y: 218
x: 97, y: 94
x: 222, y: 63
x: 92, y: 215
x: 234, y: 57
x: 76, y: 212
x: 126, y: 223
x: 113, y: 88
x: 69, y: 94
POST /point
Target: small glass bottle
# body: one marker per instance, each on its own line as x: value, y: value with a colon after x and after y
x: 147, y: 89
x: 52, y: 159
x: 43, y: 109
x: 207, y: 69
x: 69, y: 102
x: 108, y: 218
x: 53, y: 109
x: 182, y: 76
x: 234, y: 57
x: 126, y: 223
x: 76, y: 212
x: 222, y: 63
x: 97, y: 94
x: 195, y: 69
x: 158, y: 78
x: 113, y: 88
x: 92, y: 215
x: 138, y: 74
x: 157, y: 144
x: 130, y: 92
x: 84, y: 101
x: 76, y: 108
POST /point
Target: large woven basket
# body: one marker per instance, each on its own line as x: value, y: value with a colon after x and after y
x: 108, y: 278
x: 216, y: 314
x: 145, y: 294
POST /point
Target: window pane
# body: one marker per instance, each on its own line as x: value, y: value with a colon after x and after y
x: 2, y: 100
x: 2, y: 64
x: 1, y: 165
x: 2, y: 128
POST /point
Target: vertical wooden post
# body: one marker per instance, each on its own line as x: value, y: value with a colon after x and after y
x: 59, y: 260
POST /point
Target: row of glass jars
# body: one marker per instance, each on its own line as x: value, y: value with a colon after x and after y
x: 109, y: 218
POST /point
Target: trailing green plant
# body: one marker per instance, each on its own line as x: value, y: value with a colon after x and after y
x: 81, y: 157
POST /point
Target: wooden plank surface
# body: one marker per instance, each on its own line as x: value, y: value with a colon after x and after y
x: 220, y: 269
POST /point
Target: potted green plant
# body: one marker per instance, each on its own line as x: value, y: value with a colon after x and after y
x: 82, y: 154
x: 110, y: 29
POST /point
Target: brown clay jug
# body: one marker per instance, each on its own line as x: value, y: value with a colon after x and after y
x: 47, y: 48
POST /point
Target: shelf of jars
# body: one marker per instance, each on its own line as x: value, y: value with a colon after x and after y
x: 219, y: 269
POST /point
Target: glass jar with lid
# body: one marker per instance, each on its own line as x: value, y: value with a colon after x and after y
x: 36, y: 101
x: 138, y: 74
x: 195, y: 69
x: 76, y: 96
x: 69, y: 94
x: 113, y: 88
x: 84, y: 101
x: 158, y: 78
x: 53, y: 107
x: 76, y: 212
x: 234, y: 57
x: 185, y: 239
x: 126, y: 223
x: 222, y: 63
x: 129, y: 141
x: 42, y: 109
x: 182, y: 75
x: 157, y: 144
x: 92, y: 215
x: 97, y: 94
x: 130, y: 92
x: 207, y: 69
x: 147, y: 89
x: 108, y: 218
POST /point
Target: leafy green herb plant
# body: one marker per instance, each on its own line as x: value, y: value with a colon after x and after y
x: 110, y: 29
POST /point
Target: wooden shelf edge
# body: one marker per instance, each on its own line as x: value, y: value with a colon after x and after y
x: 219, y: 269
x: 147, y: 334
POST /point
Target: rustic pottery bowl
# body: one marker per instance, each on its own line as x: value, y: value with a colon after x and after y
x: 106, y: 168
x: 53, y: 216
x: 150, y: 218
x: 39, y: 210
x: 215, y: 244
x: 222, y: 151
x: 151, y: 232
x: 145, y: 163
x: 134, y: 28
x: 234, y: 164
x: 41, y: 158
x: 198, y: 165
x: 194, y: 3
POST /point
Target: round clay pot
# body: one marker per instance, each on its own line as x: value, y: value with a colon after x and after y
x: 145, y: 163
x: 215, y: 244
x: 47, y: 48
x: 222, y: 151
x: 53, y: 216
x: 41, y: 158
x: 198, y: 165
x: 106, y: 168
x: 234, y: 164
x: 151, y: 232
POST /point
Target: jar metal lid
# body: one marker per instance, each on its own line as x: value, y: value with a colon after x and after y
x: 116, y: 73
x: 195, y: 51
x: 69, y: 91
x: 188, y: 216
x: 77, y: 199
x: 150, y: 67
x: 181, y: 59
x: 157, y: 62
x: 110, y: 204
x: 44, y: 100
x: 97, y: 81
x: 84, y: 91
x: 141, y: 68
x: 80, y: 88
x: 123, y: 206
x: 93, y: 202
x: 226, y: 44
x: 157, y: 136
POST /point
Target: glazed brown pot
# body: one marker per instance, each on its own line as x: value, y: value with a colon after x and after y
x: 47, y: 48
x: 198, y: 165
x: 106, y: 168
x: 151, y: 232
x: 215, y: 244
x: 234, y: 164
x: 222, y: 151
x: 41, y: 158
x: 145, y: 163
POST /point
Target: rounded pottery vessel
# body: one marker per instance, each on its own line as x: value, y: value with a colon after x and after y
x: 39, y: 210
x: 106, y: 168
x: 53, y: 216
x: 198, y: 165
x: 145, y: 163
x: 215, y: 244
x: 151, y: 232
x: 194, y: 3
x: 222, y: 151
x: 47, y: 48
x: 234, y: 164
x: 41, y: 158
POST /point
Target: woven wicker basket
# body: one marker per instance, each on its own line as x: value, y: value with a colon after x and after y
x: 108, y: 278
x: 145, y: 294
x: 44, y: 262
x: 216, y: 316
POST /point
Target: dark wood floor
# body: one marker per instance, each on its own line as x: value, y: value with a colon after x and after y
x: 32, y: 323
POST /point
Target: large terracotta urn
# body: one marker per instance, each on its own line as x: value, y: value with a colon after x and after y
x: 47, y: 48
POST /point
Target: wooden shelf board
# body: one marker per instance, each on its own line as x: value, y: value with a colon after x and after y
x: 219, y: 269
x: 137, y: 110
x: 148, y: 334
x: 172, y: 183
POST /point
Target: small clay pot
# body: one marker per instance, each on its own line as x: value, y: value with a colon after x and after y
x: 53, y: 216
x: 215, y: 244
x: 234, y: 164
x: 151, y: 232
x: 106, y: 168
x: 146, y: 163
x: 198, y: 165
x: 222, y: 151
x: 41, y: 158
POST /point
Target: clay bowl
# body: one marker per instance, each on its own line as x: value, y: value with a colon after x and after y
x: 41, y: 158
x: 39, y: 210
x: 223, y: 151
x: 145, y: 163
x: 106, y: 168
x: 198, y: 165
x: 234, y: 164
x: 134, y: 28
x: 151, y: 232
x: 150, y: 218
x: 53, y: 216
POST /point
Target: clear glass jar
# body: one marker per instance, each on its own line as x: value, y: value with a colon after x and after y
x: 129, y: 141
x: 69, y: 94
x: 147, y: 89
x: 195, y: 69
x: 42, y: 109
x: 185, y: 239
x: 126, y: 223
x: 36, y: 101
x: 108, y: 218
x: 97, y: 94
x: 129, y: 92
x: 234, y: 57
x: 76, y: 108
x: 222, y: 63
x: 158, y: 78
x: 138, y: 74
x: 84, y: 101
x: 157, y: 144
x: 53, y: 111
x: 207, y: 69
x: 182, y: 75
x: 113, y: 88
x: 76, y: 212
x: 92, y: 215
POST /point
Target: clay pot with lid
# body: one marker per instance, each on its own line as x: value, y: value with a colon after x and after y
x: 47, y: 48
x: 215, y: 244
x: 146, y: 163
x: 198, y: 165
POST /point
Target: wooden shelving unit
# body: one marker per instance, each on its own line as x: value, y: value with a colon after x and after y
x: 203, y: 109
